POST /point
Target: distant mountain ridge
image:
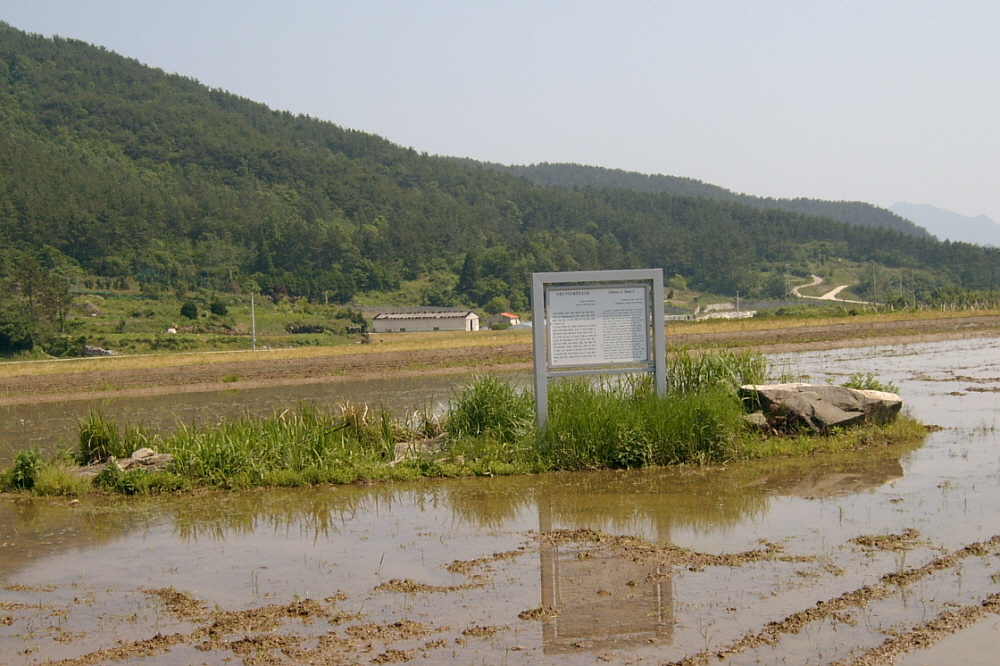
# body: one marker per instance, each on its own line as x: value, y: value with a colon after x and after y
x: 576, y: 175
x: 948, y: 225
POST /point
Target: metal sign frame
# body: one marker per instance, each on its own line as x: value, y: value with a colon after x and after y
x: 596, y: 323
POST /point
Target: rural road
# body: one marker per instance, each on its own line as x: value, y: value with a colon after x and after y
x: 828, y: 296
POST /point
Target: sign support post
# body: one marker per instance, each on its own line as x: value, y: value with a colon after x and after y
x: 595, y: 323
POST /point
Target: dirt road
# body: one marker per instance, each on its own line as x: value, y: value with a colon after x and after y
x: 36, y: 387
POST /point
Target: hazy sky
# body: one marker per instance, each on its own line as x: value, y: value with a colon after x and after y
x: 861, y: 100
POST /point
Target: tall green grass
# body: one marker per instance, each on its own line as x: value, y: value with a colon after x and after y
x: 101, y: 439
x: 689, y: 373
x: 295, y: 447
x: 491, y: 407
x: 489, y: 429
x: 626, y: 424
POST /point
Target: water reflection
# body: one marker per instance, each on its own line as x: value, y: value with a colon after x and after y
x: 602, y: 601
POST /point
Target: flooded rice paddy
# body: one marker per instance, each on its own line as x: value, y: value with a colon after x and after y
x: 887, y: 556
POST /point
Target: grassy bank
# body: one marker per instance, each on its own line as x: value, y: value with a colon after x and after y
x: 488, y: 429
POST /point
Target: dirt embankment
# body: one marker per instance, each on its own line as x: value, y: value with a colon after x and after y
x: 374, y: 363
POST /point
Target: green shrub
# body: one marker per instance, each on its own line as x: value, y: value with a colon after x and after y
x: 189, y: 310
x: 27, y: 464
x: 217, y: 308
x: 64, y: 346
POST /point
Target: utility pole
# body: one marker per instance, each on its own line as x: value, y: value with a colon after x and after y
x: 874, y: 289
x: 253, y: 326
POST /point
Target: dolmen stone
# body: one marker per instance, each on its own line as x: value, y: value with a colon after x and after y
x: 145, y: 459
x: 820, y: 407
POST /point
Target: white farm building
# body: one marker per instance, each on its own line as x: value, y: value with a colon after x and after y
x: 409, y: 322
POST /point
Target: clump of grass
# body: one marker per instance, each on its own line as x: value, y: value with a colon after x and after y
x: 628, y: 425
x: 867, y: 381
x: 32, y: 473
x: 904, y: 429
x: 490, y: 431
x: 688, y: 373
x: 59, y: 480
x: 291, y: 448
x: 138, y: 482
x: 490, y: 407
x: 101, y: 439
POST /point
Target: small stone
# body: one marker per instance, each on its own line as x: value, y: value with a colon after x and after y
x: 756, y: 420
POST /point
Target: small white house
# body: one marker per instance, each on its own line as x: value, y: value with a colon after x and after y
x: 503, y: 318
x: 410, y: 322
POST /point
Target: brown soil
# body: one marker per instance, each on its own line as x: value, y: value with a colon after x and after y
x: 841, y: 607
x: 409, y: 586
x: 908, y: 540
x: 291, y: 371
x: 665, y: 555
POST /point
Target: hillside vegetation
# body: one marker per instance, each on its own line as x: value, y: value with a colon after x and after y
x: 576, y: 175
x: 117, y: 176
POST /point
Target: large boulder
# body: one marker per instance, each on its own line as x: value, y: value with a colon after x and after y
x: 822, y: 407
x: 145, y: 459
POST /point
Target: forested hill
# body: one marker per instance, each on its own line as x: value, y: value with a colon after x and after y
x: 576, y: 175
x: 113, y: 168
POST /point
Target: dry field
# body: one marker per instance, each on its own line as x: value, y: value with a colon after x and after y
x: 434, y: 353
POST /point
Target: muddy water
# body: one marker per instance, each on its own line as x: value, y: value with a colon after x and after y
x: 830, y: 559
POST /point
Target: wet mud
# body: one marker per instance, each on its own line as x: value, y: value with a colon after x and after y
x: 889, y: 556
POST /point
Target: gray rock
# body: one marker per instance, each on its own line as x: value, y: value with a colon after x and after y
x: 90, y: 350
x: 821, y: 408
x: 757, y: 421
x: 145, y: 459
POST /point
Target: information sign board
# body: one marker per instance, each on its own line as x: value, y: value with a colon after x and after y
x: 598, y: 325
x: 596, y: 322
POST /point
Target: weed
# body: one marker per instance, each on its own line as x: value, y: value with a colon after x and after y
x: 27, y: 464
x: 59, y: 480
x: 628, y: 425
x: 489, y: 406
x: 867, y: 381
x: 101, y: 439
x: 687, y: 373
